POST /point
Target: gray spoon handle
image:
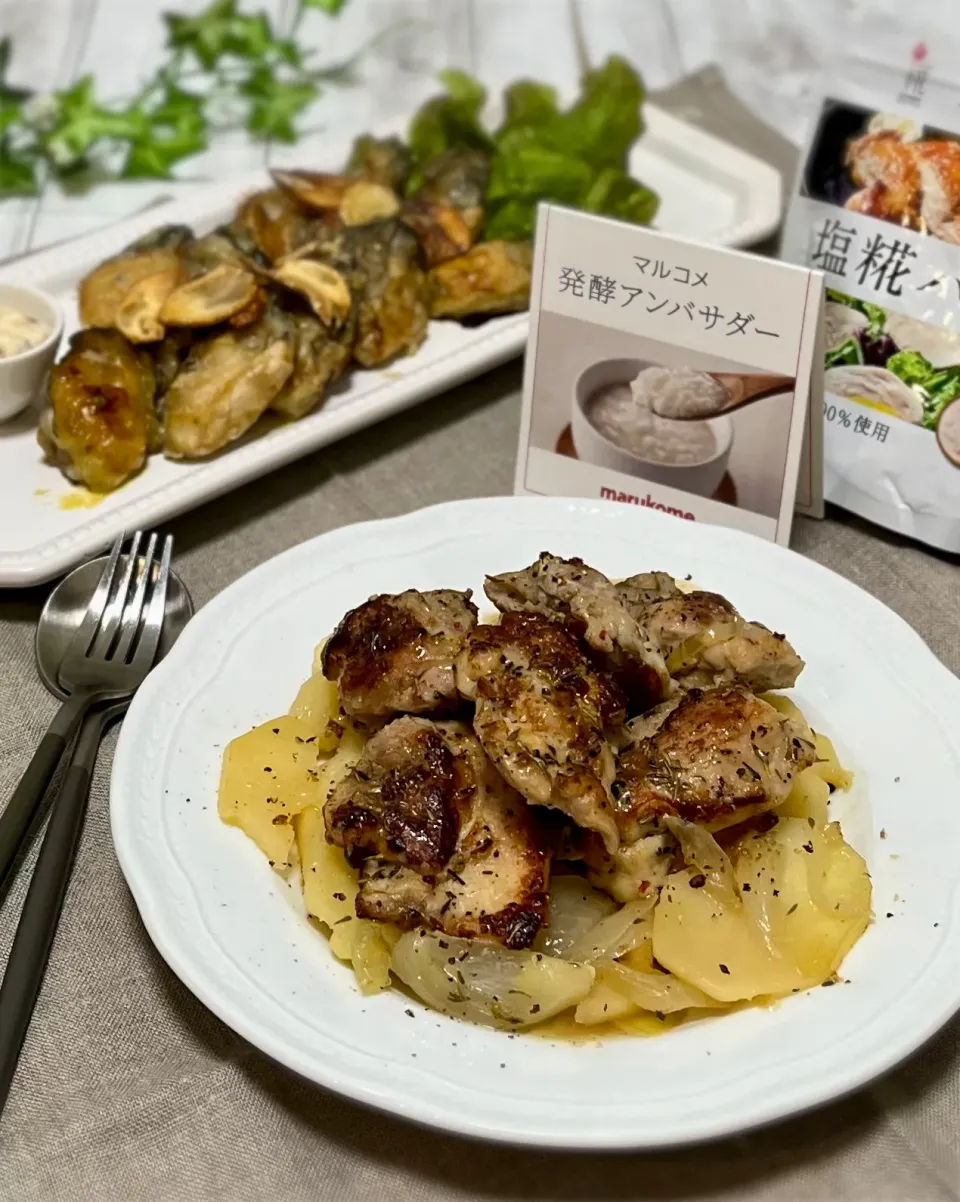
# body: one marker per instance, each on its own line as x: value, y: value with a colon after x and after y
x: 20, y: 809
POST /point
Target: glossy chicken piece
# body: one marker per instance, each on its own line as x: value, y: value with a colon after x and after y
x: 443, y: 839
x: 707, y: 643
x: 493, y: 277
x: 226, y: 382
x: 886, y: 172
x: 714, y: 756
x: 542, y: 715
x: 591, y: 605
x: 939, y: 166
x: 381, y: 263
x: 320, y: 356
x: 395, y: 654
x: 101, y: 424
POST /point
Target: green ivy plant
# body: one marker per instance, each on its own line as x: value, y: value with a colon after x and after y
x: 224, y: 69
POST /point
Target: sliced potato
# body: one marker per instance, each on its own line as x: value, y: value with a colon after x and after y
x: 807, y: 798
x: 318, y: 703
x: 268, y: 776
x: 210, y: 298
x: 349, y: 750
x: 329, y: 883
x: 487, y: 983
x: 656, y: 991
x: 323, y: 287
x: 827, y: 765
x: 703, y: 935
x: 138, y: 314
x: 603, y: 1004
x: 808, y: 891
x: 366, y: 201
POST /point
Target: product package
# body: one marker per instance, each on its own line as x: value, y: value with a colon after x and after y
x: 877, y: 209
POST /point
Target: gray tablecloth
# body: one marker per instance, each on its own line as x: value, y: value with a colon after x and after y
x: 129, y: 1089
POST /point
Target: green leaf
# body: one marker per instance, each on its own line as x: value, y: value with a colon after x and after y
x: 205, y: 34
x: 82, y: 121
x: 846, y: 354
x: 535, y: 172
x: 605, y: 122
x: 527, y: 104
x: 17, y: 175
x: 177, y: 128
x: 10, y: 111
x: 330, y: 7
x: 910, y: 366
x: 275, y: 104
x: 452, y: 119
x: 513, y: 221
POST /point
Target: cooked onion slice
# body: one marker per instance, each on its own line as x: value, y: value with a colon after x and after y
x: 485, y: 983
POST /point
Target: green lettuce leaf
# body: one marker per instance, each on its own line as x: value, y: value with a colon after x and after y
x: 527, y: 104
x: 605, y: 122
x: 452, y: 119
x: 848, y: 352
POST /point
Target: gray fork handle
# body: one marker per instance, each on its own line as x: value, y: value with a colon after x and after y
x: 23, y: 805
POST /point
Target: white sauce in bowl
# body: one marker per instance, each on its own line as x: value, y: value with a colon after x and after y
x: 622, y: 413
x: 680, y: 392
x: 19, y: 333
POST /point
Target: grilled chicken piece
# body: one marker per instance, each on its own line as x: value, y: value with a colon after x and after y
x: 444, y: 839
x: 395, y: 653
x: 542, y: 713
x: 714, y: 756
x: 594, y: 609
x: 647, y: 587
x: 939, y: 166
x: 886, y: 171
x: 707, y: 643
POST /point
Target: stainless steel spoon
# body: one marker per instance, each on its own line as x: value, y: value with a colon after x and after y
x: 62, y: 617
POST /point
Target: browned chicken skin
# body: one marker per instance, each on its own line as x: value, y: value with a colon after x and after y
x: 707, y: 643
x: 715, y: 756
x: 916, y: 184
x: 595, y: 610
x: 443, y: 838
x: 541, y: 714
x: 395, y: 654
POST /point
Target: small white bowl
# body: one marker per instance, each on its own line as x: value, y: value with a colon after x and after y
x: 701, y: 479
x: 22, y: 376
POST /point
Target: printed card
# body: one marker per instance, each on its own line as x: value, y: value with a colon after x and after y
x: 670, y: 375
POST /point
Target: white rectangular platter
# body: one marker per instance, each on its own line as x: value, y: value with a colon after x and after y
x: 710, y: 191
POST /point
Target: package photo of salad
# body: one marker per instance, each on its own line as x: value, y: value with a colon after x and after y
x: 877, y: 209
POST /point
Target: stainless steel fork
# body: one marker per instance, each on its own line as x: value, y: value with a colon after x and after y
x: 106, y: 662
x: 108, y: 657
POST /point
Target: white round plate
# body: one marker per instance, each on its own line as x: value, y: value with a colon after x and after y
x: 230, y: 928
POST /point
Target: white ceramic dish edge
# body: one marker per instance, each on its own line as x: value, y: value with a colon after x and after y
x: 902, y: 647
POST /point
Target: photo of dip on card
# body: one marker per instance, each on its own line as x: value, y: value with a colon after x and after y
x: 670, y: 375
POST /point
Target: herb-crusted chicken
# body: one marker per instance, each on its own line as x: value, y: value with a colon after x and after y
x: 707, y: 643
x: 542, y: 715
x: 592, y: 607
x: 442, y: 839
x: 714, y: 756
x: 395, y: 654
